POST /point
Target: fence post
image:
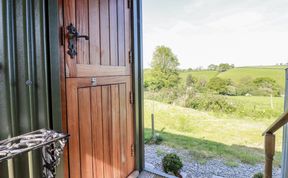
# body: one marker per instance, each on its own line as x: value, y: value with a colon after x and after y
x: 152, y: 123
x: 269, y: 154
x: 284, y: 170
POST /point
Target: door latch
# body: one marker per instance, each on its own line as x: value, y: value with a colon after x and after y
x: 93, y: 81
x: 73, y: 35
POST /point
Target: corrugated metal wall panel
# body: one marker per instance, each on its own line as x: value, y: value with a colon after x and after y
x: 23, y: 58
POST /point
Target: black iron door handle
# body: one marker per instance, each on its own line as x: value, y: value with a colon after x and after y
x: 73, y: 35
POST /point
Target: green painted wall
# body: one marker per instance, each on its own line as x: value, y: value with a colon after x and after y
x: 27, y: 53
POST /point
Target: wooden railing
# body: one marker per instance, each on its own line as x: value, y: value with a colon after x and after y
x: 270, y: 143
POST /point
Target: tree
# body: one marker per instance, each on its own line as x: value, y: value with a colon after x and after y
x: 190, y: 80
x: 164, y: 69
x: 224, y: 67
x: 212, y: 67
x: 219, y: 85
x: 267, y: 85
x: 189, y: 69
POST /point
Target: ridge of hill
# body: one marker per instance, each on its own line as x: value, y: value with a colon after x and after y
x: 236, y: 74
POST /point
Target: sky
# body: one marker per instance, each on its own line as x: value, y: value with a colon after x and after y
x: 203, y: 32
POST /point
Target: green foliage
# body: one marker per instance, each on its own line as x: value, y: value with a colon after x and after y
x: 267, y: 86
x: 224, y: 67
x: 189, y: 69
x: 157, y: 139
x: 262, y: 86
x: 212, y: 67
x: 242, y: 78
x: 172, y: 163
x: 166, y: 95
x: 190, y: 80
x: 160, y: 152
x: 221, y: 86
x: 231, y: 163
x: 201, y: 86
x: 258, y: 175
x: 237, y: 138
x: 210, y: 103
x: 238, y: 75
x: 164, y: 69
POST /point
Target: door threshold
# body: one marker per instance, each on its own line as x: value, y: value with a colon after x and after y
x: 134, y: 174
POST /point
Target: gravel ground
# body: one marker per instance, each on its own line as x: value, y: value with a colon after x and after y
x: 210, y: 169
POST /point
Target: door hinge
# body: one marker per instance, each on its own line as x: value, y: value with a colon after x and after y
x: 129, y: 4
x: 131, y: 57
x: 131, y: 97
x: 132, y: 150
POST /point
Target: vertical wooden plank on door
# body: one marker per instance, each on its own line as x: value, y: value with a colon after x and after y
x: 113, y: 33
x: 69, y: 17
x: 115, y: 130
x: 86, y: 153
x: 123, y: 129
x: 94, y: 31
x: 130, y: 130
x: 73, y: 128
x: 104, y: 32
x: 128, y: 31
x: 97, y: 123
x: 82, y: 25
x: 106, y: 111
x: 121, y: 32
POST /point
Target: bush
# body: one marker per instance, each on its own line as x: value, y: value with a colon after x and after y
x: 210, y: 103
x: 221, y: 86
x: 258, y: 175
x: 190, y: 80
x: 172, y: 163
x: 157, y: 139
x: 166, y: 95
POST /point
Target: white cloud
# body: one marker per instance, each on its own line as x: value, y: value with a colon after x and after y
x: 205, y: 32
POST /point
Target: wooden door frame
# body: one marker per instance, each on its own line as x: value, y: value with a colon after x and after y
x: 58, y: 67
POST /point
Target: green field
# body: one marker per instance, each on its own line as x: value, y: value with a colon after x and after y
x: 231, y: 136
x: 254, y: 106
x: 208, y: 136
x: 237, y: 74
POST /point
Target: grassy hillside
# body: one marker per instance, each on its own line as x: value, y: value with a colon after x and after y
x: 207, y: 136
x: 238, y: 74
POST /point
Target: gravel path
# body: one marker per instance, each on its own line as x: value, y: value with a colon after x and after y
x: 210, y: 169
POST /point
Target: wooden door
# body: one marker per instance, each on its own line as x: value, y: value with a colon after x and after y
x: 98, y: 89
x: 101, y: 127
x: 108, y: 25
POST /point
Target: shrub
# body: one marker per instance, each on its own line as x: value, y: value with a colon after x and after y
x: 210, y: 103
x: 221, y: 86
x: 146, y: 84
x: 172, y: 163
x: 258, y: 175
x: 267, y: 86
x: 224, y: 67
x: 166, y: 95
x: 201, y: 86
x: 190, y: 80
x: 157, y: 139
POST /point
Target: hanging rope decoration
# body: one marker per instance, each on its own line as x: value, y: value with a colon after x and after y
x: 51, y: 142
